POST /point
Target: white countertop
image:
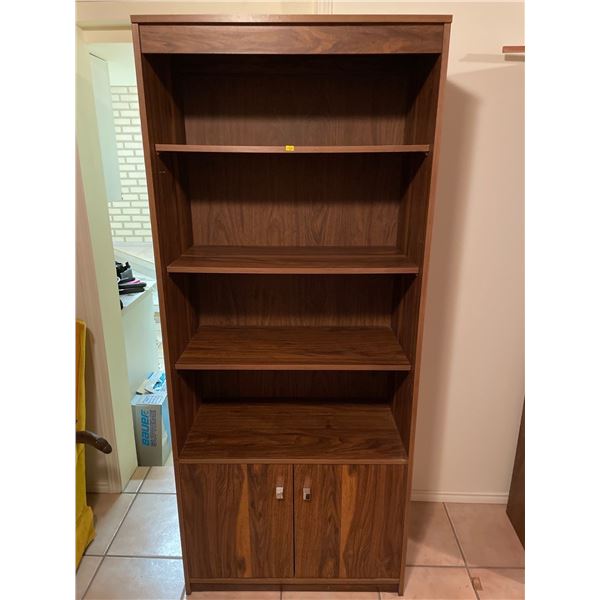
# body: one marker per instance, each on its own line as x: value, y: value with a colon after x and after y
x: 130, y: 299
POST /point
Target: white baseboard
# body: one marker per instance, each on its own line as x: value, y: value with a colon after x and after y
x: 473, y: 498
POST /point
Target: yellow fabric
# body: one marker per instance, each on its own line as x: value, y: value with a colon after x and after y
x: 84, y: 518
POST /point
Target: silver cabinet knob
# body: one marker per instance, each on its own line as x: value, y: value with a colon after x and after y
x: 279, y: 492
x: 306, y: 494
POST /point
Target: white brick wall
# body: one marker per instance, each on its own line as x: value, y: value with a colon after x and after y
x: 129, y: 215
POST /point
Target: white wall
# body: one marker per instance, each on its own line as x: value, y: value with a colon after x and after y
x: 472, y: 384
x: 129, y: 212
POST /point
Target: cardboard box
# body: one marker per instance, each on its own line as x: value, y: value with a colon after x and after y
x: 152, y: 429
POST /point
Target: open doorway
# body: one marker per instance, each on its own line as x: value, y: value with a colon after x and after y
x: 120, y: 140
x: 115, y: 91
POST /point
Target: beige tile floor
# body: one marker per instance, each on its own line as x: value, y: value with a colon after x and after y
x: 455, y: 551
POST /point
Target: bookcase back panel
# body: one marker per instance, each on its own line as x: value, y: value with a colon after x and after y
x: 323, y: 100
x: 298, y: 200
x: 296, y: 385
x: 304, y: 300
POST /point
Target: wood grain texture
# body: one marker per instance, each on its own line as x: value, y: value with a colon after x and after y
x: 291, y: 39
x: 292, y: 260
x: 234, y: 525
x: 351, y: 526
x: 242, y: 19
x: 372, y: 503
x: 373, y: 386
x: 293, y: 300
x: 197, y: 148
x: 317, y: 522
x: 293, y: 432
x: 330, y: 200
x: 294, y: 348
x: 317, y: 103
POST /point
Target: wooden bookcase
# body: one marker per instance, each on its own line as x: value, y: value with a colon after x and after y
x: 291, y: 167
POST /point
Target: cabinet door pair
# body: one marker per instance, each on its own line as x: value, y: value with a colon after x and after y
x: 328, y: 521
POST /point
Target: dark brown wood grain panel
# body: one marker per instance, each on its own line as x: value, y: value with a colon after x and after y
x: 293, y: 432
x: 303, y: 200
x: 234, y: 525
x: 287, y: 39
x: 216, y: 520
x: 317, y: 522
x: 371, y: 520
x: 271, y: 519
x: 420, y: 118
x: 315, y: 104
x: 293, y: 348
x: 358, y: 509
x: 294, y: 301
x: 273, y: 385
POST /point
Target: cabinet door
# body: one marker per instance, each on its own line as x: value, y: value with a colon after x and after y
x: 351, y: 527
x: 234, y: 525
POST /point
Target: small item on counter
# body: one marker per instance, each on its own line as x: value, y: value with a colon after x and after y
x: 132, y: 287
x: 124, y: 271
x: 127, y: 282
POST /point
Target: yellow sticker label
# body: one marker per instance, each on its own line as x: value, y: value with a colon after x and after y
x: 290, y: 148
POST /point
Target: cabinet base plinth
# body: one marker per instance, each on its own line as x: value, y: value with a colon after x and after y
x: 291, y: 584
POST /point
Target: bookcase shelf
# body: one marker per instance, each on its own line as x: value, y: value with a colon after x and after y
x: 294, y: 432
x: 294, y: 348
x: 291, y: 287
x: 292, y: 149
x: 293, y: 260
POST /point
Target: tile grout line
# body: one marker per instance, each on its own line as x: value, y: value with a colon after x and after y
x: 87, y: 589
x: 121, y: 523
x: 461, y: 550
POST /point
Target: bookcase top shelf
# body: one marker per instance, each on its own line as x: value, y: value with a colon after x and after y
x: 293, y: 149
x: 293, y: 349
x: 311, y: 260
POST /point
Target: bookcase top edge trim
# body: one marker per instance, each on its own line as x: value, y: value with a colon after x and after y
x: 250, y: 19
